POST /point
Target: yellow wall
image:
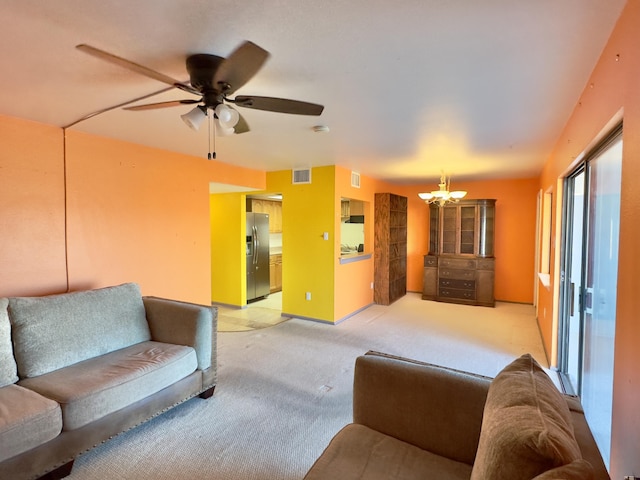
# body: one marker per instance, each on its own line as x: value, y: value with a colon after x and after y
x: 308, y: 261
x: 612, y: 90
x: 228, y: 257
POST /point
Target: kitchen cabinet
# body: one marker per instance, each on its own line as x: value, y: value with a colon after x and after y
x: 275, y: 273
x: 271, y: 208
x: 390, y: 248
x: 460, y: 267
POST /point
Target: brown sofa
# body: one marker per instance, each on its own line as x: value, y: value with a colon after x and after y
x: 413, y: 420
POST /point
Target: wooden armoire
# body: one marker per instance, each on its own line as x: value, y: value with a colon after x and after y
x: 460, y: 266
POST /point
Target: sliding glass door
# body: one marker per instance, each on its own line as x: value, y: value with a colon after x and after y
x: 571, y: 333
x: 589, y: 284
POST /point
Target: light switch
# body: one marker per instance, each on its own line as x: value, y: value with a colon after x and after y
x: 325, y: 235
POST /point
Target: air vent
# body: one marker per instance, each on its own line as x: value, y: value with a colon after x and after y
x: 355, y: 179
x: 302, y: 175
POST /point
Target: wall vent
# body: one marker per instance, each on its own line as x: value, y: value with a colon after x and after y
x: 355, y: 179
x: 301, y: 175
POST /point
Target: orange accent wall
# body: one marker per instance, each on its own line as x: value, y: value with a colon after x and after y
x: 134, y: 215
x: 614, y: 87
x: 514, y: 238
x: 32, y: 253
x: 352, y: 284
x: 114, y: 212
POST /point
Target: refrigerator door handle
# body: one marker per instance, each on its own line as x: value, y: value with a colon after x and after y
x: 255, y: 244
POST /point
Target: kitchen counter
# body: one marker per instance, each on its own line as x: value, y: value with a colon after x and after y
x: 350, y: 257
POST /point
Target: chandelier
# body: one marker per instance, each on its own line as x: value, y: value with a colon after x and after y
x: 443, y: 195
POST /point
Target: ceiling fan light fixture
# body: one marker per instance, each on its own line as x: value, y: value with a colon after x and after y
x: 222, y: 129
x: 194, y: 118
x: 227, y: 117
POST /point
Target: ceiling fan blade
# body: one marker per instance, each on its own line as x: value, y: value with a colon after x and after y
x: 113, y: 107
x: 280, y: 105
x: 238, y: 68
x: 147, y: 72
x: 242, y: 126
x: 171, y: 103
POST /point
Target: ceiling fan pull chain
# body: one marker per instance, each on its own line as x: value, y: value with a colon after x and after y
x: 213, y: 131
x: 212, y: 134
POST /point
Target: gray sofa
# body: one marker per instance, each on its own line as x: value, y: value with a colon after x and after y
x: 79, y: 368
x: 413, y: 420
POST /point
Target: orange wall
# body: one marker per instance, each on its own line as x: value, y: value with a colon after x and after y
x: 614, y: 87
x: 117, y: 212
x: 134, y: 216
x: 353, y: 280
x: 514, y: 240
x: 32, y: 253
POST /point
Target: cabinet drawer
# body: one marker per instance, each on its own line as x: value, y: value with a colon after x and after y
x: 457, y: 262
x: 430, y: 261
x: 457, y: 273
x: 454, y: 283
x: 486, y: 264
x: 457, y: 293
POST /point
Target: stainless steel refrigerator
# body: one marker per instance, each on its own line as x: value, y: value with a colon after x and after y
x: 257, y: 255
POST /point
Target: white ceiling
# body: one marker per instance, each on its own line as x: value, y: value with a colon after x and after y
x: 475, y: 88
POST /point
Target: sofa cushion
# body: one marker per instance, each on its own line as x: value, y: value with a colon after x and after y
x: 59, y: 330
x: 26, y: 420
x: 576, y: 470
x: 359, y: 452
x: 526, y: 425
x: 91, y: 389
x: 8, y: 367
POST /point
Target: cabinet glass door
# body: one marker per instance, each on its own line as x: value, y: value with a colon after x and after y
x: 486, y: 227
x: 434, y: 237
x: 467, y: 230
x: 449, y: 228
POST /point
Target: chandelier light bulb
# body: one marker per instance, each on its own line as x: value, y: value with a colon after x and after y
x: 442, y: 196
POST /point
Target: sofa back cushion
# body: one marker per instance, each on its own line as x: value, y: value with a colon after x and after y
x: 59, y: 330
x: 8, y: 367
x: 576, y: 470
x: 526, y: 426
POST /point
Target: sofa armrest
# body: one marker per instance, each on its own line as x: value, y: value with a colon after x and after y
x: 435, y: 408
x: 183, y: 323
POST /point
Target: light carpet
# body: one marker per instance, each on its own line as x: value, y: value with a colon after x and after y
x: 284, y: 391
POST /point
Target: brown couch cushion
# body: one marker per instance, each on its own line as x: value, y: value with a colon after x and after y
x: 361, y: 453
x: 526, y: 425
x: 576, y: 470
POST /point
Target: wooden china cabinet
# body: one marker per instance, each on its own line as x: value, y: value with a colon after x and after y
x: 460, y: 265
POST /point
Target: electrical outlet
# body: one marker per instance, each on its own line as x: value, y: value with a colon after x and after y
x: 631, y: 477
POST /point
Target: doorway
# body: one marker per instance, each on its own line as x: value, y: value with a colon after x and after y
x: 589, y: 272
x: 271, y: 206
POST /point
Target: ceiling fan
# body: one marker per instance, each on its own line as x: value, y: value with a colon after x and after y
x: 213, y: 79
